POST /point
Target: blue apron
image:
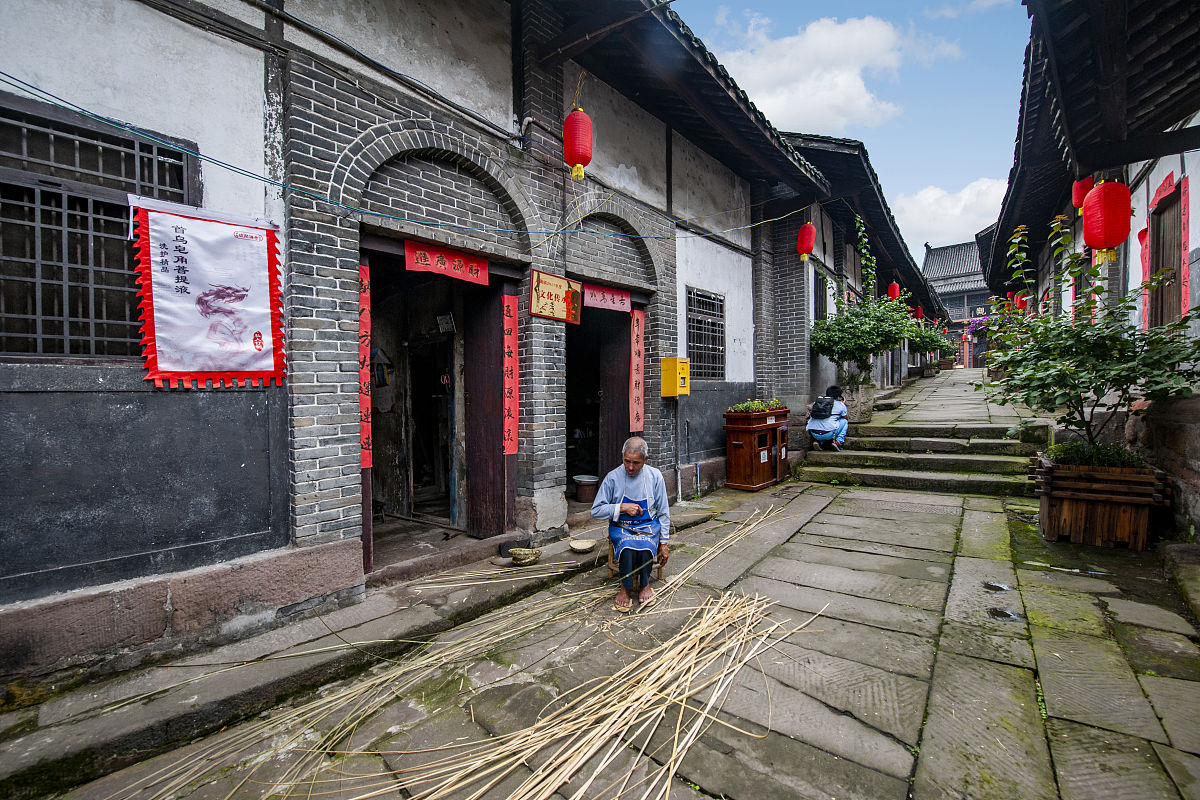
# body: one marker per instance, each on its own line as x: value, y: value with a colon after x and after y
x: 636, y: 532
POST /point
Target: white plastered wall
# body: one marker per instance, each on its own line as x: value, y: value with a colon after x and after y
x: 460, y: 48
x: 704, y: 264
x: 629, y: 145
x: 708, y: 194
x: 124, y: 60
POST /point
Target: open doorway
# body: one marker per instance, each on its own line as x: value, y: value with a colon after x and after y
x: 597, y: 396
x: 435, y: 419
x: 431, y: 428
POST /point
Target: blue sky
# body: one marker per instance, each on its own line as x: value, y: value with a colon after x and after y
x: 932, y: 88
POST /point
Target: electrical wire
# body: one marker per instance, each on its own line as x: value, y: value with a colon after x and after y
x: 53, y: 99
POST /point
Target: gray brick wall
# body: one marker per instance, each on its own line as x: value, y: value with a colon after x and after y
x: 424, y: 171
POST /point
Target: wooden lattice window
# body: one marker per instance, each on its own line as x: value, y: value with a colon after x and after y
x: 66, y: 270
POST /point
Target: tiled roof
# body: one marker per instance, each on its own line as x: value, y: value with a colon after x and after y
x: 952, y: 261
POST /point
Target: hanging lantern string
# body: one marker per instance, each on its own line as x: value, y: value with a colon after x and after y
x: 578, y: 89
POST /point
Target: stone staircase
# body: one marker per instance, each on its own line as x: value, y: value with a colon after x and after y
x: 973, y: 458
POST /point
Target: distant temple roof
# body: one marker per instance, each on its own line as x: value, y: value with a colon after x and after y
x: 954, y: 268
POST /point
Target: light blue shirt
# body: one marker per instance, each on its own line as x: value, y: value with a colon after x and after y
x: 830, y: 423
x: 648, y: 484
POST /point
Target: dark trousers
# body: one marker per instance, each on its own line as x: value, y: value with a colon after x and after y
x: 636, y: 562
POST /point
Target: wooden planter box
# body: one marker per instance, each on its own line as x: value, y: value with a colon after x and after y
x: 945, y: 363
x: 755, y: 448
x: 1103, y: 506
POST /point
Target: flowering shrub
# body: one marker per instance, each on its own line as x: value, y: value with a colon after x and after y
x: 755, y: 406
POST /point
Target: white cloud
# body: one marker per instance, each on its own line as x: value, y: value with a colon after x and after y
x: 815, y: 79
x: 940, y: 217
x: 973, y: 7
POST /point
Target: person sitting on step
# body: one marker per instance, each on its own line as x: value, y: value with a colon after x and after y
x: 827, y: 419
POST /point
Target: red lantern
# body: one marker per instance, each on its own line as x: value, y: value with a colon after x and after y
x: 1011, y: 295
x: 920, y: 312
x: 1079, y: 190
x: 577, y: 142
x: 945, y: 330
x: 893, y: 291
x: 1106, y: 212
x: 1022, y: 302
x: 964, y: 337
x: 806, y: 239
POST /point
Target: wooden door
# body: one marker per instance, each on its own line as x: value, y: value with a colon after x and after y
x: 482, y: 326
x: 613, y: 329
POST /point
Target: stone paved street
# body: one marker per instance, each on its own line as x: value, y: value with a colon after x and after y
x: 954, y: 655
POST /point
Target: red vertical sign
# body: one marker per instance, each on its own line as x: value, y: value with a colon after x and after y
x: 511, y: 387
x: 364, y: 364
x: 637, y: 373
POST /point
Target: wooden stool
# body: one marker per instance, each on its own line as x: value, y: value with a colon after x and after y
x: 613, y: 569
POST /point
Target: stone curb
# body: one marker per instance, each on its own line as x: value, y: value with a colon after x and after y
x: 1182, y: 564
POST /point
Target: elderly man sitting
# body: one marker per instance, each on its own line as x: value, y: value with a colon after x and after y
x: 633, y: 498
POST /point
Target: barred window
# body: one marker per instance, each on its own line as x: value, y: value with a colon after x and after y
x: 66, y: 270
x: 706, y: 334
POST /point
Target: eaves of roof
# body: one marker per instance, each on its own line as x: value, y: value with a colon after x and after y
x: 846, y: 164
x: 655, y: 60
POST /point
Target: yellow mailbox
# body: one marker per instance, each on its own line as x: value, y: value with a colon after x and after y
x: 676, y: 377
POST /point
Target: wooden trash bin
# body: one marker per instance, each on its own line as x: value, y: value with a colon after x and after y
x: 755, y: 448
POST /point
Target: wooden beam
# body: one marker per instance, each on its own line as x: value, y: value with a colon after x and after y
x: 590, y: 30
x: 1041, y: 34
x: 1141, y: 148
x: 1110, y: 49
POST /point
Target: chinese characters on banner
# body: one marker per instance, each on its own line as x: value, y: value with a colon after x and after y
x: 364, y: 364
x: 555, y: 297
x: 637, y: 338
x: 209, y: 295
x: 605, y: 297
x: 511, y: 405
x: 420, y: 257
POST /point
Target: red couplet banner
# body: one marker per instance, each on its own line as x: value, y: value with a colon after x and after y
x: 420, y: 257
x: 364, y: 364
x: 637, y: 337
x: 511, y: 385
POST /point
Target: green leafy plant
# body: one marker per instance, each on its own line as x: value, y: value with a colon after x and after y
x: 923, y: 339
x: 863, y: 328
x: 755, y: 406
x: 1084, y: 365
x: 1100, y: 455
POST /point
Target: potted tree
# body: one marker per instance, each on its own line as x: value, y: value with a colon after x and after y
x: 1088, y: 368
x: 929, y: 340
x: 859, y: 331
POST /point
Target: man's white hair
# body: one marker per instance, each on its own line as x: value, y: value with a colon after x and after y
x: 636, y: 445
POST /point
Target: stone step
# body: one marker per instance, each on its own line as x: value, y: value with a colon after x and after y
x: 976, y: 446
x: 1038, y: 434
x: 966, y: 483
x: 921, y: 462
x: 887, y: 405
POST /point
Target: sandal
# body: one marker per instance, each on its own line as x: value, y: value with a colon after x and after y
x: 624, y: 609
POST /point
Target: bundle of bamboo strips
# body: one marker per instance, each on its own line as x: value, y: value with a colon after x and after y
x: 691, y: 673
x: 722, y: 637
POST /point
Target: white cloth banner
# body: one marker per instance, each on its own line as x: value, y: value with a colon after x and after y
x: 209, y: 284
